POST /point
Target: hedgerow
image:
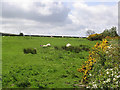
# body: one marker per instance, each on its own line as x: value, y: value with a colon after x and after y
x: 101, y: 69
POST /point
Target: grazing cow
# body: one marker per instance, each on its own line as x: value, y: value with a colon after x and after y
x: 68, y: 45
x: 47, y: 45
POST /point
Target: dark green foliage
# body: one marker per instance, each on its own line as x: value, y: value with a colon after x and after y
x: 110, y: 32
x: 21, y: 34
x: 85, y: 47
x: 30, y: 50
x: 56, y: 47
x: 75, y: 49
x: 95, y: 37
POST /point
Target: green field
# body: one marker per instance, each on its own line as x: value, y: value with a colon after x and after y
x: 49, y: 68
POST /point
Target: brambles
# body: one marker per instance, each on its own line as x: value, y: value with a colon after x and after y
x: 30, y: 50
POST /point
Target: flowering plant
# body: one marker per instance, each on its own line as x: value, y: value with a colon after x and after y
x: 101, y: 69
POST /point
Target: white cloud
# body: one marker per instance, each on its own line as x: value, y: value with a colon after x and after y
x: 37, y: 11
x: 94, y: 17
x: 56, y: 18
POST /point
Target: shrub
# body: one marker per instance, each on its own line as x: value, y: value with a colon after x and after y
x: 21, y: 34
x: 110, y: 32
x: 95, y: 37
x: 101, y: 69
x: 88, y: 65
x: 85, y: 47
x: 30, y: 50
x: 75, y: 49
x: 56, y: 47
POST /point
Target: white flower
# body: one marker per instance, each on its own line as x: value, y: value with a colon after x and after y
x: 108, y: 80
x: 90, y: 74
x: 112, y: 74
x: 88, y: 87
x: 107, y: 72
x: 117, y: 82
x: 110, y: 55
x: 118, y: 76
x: 95, y: 85
x: 111, y: 69
x: 114, y: 79
x: 106, y: 51
x: 104, y: 82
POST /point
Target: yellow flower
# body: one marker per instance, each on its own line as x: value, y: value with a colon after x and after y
x: 85, y: 78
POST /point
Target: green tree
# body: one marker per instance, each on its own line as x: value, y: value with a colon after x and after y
x: 110, y: 32
x: 113, y: 32
x: 90, y: 32
x: 21, y: 34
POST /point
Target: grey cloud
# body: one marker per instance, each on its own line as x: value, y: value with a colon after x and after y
x: 11, y: 11
x: 59, y: 21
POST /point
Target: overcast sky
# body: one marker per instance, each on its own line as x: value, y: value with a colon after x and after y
x: 57, y: 18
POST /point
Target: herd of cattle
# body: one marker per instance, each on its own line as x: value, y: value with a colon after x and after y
x: 34, y: 50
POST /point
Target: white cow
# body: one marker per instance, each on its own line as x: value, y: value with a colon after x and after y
x: 47, y: 45
x: 68, y: 45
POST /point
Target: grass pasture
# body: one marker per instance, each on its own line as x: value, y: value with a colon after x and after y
x: 49, y: 68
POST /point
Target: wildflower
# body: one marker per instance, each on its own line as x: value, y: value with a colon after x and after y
x: 114, y: 79
x: 108, y: 80
x: 106, y: 51
x: 104, y: 82
x: 85, y: 78
x: 90, y: 74
x: 118, y: 76
x: 111, y: 69
x: 88, y: 87
x: 112, y: 74
x: 107, y: 72
x: 117, y: 82
x: 94, y: 85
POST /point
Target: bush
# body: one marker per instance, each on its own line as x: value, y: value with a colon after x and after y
x: 102, y: 68
x: 21, y: 34
x: 95, y: 37
x: 110, y: 32
x: 30, y: 50
x: 75, y: 49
